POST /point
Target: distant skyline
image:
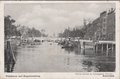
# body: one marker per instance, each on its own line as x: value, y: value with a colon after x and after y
x: 55, y: 17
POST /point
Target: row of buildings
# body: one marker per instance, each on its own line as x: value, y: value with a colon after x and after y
x: 102, y: 28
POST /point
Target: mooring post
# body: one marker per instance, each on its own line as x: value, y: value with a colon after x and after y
x: 96, y: 48
x: 81, y: 43
x: 107, y: 49
x: 79, y: 46
x: 112, y: 50
x: 11, y: 58
x: 102, y: 49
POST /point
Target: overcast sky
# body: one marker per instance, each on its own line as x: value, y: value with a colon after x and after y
x: 55, y: 17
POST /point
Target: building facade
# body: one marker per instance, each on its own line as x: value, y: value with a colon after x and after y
x: 102, y: 28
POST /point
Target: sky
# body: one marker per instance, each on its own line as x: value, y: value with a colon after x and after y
x: 55, y: 17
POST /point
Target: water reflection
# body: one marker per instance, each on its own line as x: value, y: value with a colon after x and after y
x: 93, y: 62
x: 51, y: 57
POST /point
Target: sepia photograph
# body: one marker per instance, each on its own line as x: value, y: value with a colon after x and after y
x: 59, y: 37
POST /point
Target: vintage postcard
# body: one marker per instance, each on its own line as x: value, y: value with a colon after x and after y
x: 59, y: 39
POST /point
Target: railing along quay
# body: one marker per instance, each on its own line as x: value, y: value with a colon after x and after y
x: 105, y: 47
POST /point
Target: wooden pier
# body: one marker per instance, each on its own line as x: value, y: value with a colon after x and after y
x: 106, y: 48
x: 9, y: 57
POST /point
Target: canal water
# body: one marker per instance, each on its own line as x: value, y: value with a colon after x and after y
x: 51, y: 57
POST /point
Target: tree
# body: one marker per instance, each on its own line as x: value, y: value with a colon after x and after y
x: 9, y: 28
x: 73, y: 33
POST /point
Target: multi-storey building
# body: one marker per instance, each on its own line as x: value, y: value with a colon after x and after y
x: 111, y: 25
x: 102, y: 28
